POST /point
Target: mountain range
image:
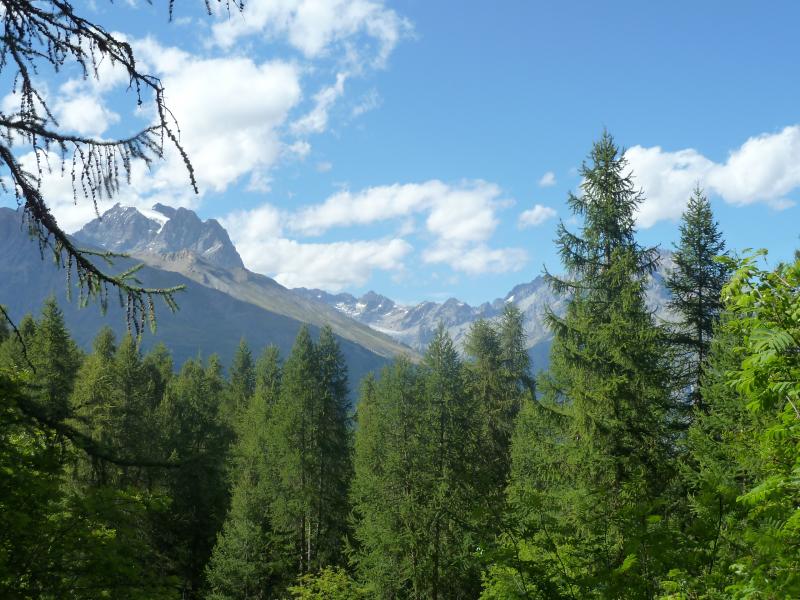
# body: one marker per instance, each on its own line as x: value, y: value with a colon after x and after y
x: 225, y: 302
x: 415, y: 325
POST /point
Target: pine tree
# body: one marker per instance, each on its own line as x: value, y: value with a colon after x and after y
x: 242, y: 381
x: 195, y: 437
x: 335, y: 451
x: 133, y: 406
x: 242, y: 564
x: 5, y: 330
x: 501, y: 379
x: 56, y: 359
x: 391, y: 486
x: 696, y: 284
x: 604, y: 405
x: 722, y: 455
x: 268, y: 377
x: 158, y: 367
x: 416, y: 481
x: 308, y: 455
x: 92, y: 404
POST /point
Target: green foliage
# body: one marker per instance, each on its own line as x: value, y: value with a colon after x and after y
x: 328, y: 584
x: 415, y: 489
x: 58, y: 538
x: 56, y: 359
x: 696, y: 287
x: 765, y: 317
x: 194, y: 436
x: 308, y: 457
x: 590, y: 459
x: 242, y: 564
x: 120, y: 478
x: 242, y: 382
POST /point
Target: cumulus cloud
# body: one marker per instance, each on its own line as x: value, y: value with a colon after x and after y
x: 229, y: 109
x: 259, y: 237
x: 548, y: 179
x: 535, y: 216
x: 85, y: 114
x: 313, y: 27
x: 465, y: 210
x: 766, y: 168
x: 459, y: 222
x: 72, y: 210
x: 476, y: 260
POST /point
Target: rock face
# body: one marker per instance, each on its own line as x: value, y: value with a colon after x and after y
x: 162, y: 231
x: 218, y: 308
x: 415, y: 325
x: 177, y: 239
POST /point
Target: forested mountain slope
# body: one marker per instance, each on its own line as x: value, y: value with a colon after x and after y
x: 209, y: 320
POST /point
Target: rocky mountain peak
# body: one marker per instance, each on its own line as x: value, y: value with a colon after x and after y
x: 164, y: 230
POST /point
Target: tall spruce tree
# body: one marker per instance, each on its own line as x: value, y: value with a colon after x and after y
x: 196, y: 438
x: 308, y: 456
x: 335, y: 450
x: 696, y: 285
x: 607, y: 394
x: 56, y: 358
x: 242, y: 381
x: 416, y: 484
x: 242, y: 564
x: 92, y: 405
x: 498, y: 380
x: 389, y: 487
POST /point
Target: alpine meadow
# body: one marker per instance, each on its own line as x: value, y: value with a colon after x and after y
x: 202, y: 397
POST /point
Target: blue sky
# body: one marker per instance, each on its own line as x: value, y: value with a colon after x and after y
x: 425, y: 149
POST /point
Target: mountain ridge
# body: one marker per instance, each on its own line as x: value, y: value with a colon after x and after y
x: 416, y: 324
x: 180, y: 242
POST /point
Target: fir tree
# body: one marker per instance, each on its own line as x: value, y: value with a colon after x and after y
x: 416, y: 480
x: 391, y: 486
x: 242, y: 381
x: 158, y: 367
x: 195, y: 438
x: 92, y: 404
x: 242, y: 564
x: 608, y: 380
x: 56, y: 359
x: 308, y: 455
x: 696, y: 284
x: 335, y: 450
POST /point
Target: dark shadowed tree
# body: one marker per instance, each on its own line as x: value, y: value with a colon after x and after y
x: 696, y: 285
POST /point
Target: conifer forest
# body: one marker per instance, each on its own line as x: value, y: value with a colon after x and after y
x: 650, y: 460
x: 644, y: 446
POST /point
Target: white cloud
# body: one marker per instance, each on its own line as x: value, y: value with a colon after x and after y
x: 535, y: 216
x: 335, y: 266
x: 252, y: 226
x: 85, y: 114
x: 548, y: 179
x: 460, y: 218
x: 465, y: 214
x: 71, y: 213
x: 766, y: 168
x: 314, y: 26
x: 324, y: 166
x: 258, y: 236
x: 229, y: 109
x: 465, y: 210
x: 476, y: 260
x: 316, y: 120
